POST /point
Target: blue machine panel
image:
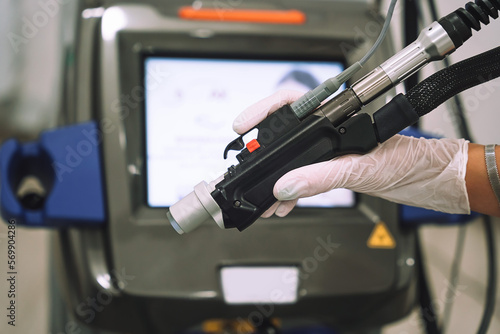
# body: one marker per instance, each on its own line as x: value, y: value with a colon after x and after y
x: 67, y: 163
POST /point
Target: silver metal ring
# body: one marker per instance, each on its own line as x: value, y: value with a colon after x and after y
x: 491, y: 167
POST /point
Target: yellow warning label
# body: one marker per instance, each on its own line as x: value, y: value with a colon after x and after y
x: 381, y: 237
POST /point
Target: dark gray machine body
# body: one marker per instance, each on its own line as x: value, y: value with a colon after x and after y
x: 148, y: 278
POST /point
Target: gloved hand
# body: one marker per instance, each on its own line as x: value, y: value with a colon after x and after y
x: 427, y: 173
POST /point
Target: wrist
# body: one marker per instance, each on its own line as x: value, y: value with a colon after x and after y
x: 481, y: 196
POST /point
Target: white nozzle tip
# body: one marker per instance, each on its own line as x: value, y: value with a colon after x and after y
x: 195, y: 208
x: 174, y: 223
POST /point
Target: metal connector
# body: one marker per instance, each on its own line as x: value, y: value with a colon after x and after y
x: 372, y: 85
x: 341, y: 107
x: 433, y: 43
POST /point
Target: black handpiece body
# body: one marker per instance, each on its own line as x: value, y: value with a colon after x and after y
x: 286, y: 143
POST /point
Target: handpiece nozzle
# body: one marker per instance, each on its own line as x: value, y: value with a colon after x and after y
x: 194, y: 209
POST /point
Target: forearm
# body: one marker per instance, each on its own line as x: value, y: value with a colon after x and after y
x: 481, y: 196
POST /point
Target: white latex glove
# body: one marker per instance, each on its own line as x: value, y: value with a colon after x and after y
x: 427, y: 173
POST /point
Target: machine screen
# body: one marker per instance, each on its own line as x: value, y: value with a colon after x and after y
x: 190, y: 106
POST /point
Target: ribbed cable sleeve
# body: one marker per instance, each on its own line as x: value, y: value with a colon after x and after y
x: 460, y: 23
x: 441, y: 86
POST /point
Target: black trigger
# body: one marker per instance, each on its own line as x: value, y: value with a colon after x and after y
x: 237, y: 145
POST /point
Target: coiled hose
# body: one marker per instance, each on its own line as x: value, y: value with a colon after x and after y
x: 460, y: 23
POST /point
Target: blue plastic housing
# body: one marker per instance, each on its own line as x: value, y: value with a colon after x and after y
x: 67, y: 162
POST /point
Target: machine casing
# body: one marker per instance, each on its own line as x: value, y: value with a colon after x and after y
x: 158, y: 281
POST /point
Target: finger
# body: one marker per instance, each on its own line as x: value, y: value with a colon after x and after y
x: 285, y: 207
x: 313, y: 179
x: 269, y: 212
x: 257, y: 112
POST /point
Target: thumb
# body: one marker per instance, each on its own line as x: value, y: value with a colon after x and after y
x: 313, y: 179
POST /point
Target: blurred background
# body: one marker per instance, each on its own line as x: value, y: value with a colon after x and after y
x: 30, y: 84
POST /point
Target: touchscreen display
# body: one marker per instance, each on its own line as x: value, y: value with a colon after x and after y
x: 190, y: 106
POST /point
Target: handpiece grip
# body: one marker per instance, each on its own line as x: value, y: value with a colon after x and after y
x: 246, y: 191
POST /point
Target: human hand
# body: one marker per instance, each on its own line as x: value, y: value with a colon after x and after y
x: 428, y: 173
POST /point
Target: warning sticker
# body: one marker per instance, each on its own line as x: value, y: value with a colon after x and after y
x: 381, y: 237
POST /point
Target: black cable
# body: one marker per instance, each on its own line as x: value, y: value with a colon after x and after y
x: 459, y: 115
x: 427, y: 311
x: 491, y: 290
x: 454, y: 275
x: 441, y: 86
x: 433, y: 9
x: 411, y: 31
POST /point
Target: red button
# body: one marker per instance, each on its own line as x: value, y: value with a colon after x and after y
x: 253, y: 145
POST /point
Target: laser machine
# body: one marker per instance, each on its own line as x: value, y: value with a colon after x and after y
x: 149, y: 102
